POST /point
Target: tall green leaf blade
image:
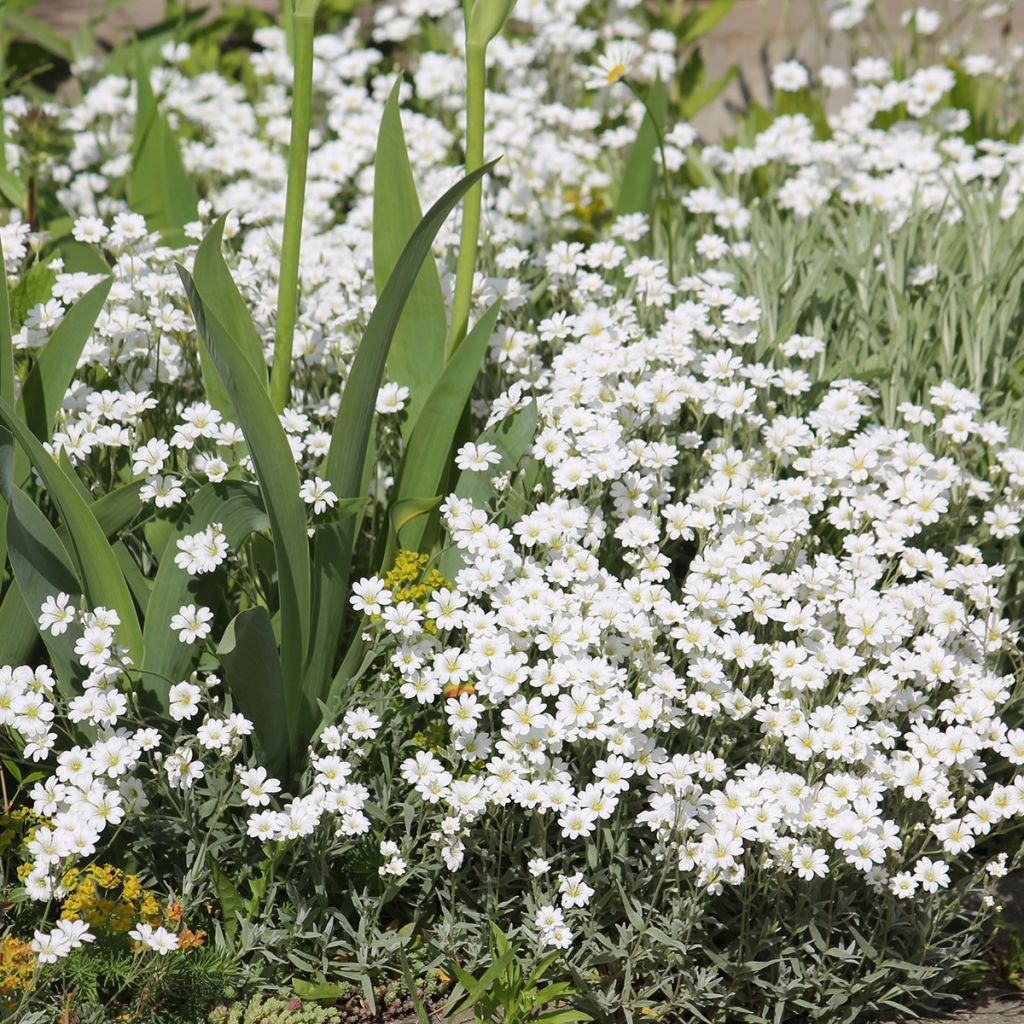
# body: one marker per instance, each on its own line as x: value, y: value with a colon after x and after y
x: 703, y: 20
x: 252, y: 673
x: 158, y: 186
x: 42, y: 569
x: 6, y: 391
x: 220, y: 295
x: 637, y: 186
x: 47, y: 384
x: 279, y: 484
x: 425, y: 458
x: 237, y: 507
x: 346, y: 457
x: 104, y: 584
x: 18, y: 630
x: 417, y: 356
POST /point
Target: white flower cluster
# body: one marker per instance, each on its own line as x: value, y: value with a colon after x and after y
x: 728, y: 623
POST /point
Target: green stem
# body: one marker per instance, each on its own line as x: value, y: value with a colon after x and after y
x: 298, y: 152
x: 476, y: 84
x: 666, y: 189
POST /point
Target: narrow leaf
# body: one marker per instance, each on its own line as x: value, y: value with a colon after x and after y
x: 158, y: 186
x: 93, y: 557
x: 424, y: 462
x: 279, y: 484
x: 417, y: 355
x: 237, y: 507
x: 252, y: 673
x: 637, y: 186
x: 47, y: 384
x: 351, y: 437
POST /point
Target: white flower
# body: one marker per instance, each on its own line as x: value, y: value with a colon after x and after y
x: 391, y: 398
x: 184, y: 701
x: 619, y: 60
x: 790, y: 76
x: 477, y: 457
x: 318, y: 493
x: 163, y: 491
x: 57, y: 614
x: 192, y: 623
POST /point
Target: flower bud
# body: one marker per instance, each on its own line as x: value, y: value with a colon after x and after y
x: 486, y: 19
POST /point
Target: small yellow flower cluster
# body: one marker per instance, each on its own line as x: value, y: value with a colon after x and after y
x: 109, y: 900
x: 17, y: 969
x: 406, y: 581
x: 16, y: 824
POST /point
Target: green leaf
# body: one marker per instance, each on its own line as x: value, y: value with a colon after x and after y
x: 42, y: 568
x: 694, y: 94
x: 637, y: 186
x: 35, y: 286
x: 81, y: 258
x: 6, y: 393
x: 13, y: 189
x: 417, y: 355
x: 279, y: 485
x: 429, y: 448
x: 351, y: 437
x: 47, y: 384
x: 221, y: 296
x: 94, y: 560
x: 230, y: 899
x: 403, y: 513
x: 237, y: 507
x: 18, y: 631
x: 702, y: 20
x: 41, y: 33
x: 252, y: 673
x: 322, y: 991
x: 158, y: 186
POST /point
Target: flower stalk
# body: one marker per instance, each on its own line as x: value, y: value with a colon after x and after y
x: 484, y: 20
x: 302, y: 32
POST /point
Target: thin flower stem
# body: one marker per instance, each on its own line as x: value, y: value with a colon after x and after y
x: 666, y: 189
x: 298, y: 153
x: 476, y: 85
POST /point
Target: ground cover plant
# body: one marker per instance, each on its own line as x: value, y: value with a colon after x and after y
x: 470, y: 542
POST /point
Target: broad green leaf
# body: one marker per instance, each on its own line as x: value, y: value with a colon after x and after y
x: 351, y: 437
x: 405, y: 514
x: 220, y: 295
x: 279, y: 485
x: 47, y: 384
x: 35, y: 286
x: 429, y: 448
x: 81, y: 258
x: 694, y: 94
x: 252, y: 673
x: 230, y: 899
x: 13, y: 189
x: 237, y: 507
x: 317, y: 991
x: 417, y: 355
x: 702, y: 20
x: 93, y: 558
x: 42, y: 568
x: 158, y: 186
x: 638, y: 178
x: 18, y: 631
